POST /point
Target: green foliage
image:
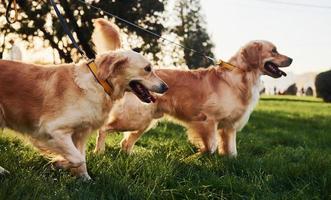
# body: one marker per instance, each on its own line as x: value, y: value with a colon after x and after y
x: 34, y: 22
x: 291, y: 90
x: 323, y: 86
x: 284, y: 153
x: 193, y: 33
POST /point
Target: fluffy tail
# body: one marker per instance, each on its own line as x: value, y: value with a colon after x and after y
x: 106, y: 36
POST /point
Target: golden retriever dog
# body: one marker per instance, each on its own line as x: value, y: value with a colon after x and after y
x: 58, y: 106
x: 212, y: 103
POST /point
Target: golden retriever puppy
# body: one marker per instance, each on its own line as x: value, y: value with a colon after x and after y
x: 57, y: 107
x: 212, y: 103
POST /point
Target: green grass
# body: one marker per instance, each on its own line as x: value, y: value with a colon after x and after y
x: 284, y: 153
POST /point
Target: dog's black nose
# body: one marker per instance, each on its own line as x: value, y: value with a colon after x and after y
x: 164, y: 87
x: 290, y: 60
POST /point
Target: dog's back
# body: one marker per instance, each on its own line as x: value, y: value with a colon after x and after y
x: 23, y: 90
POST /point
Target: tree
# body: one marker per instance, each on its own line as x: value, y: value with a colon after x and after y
x: 323, y: 86
x: 193, y: 33
x: 309, y: 91
x: 291, y: 90
x: 35, y: 20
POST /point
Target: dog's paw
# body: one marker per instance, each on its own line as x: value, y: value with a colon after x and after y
x: 230, y: 154
x: 85, y: 178
x: 60, y: 164
x: 3, y: 172
x: 99, y: 150
x: 126, y: 147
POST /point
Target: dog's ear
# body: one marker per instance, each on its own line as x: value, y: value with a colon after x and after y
x: 106, y: 36
x: 109, y: 65
x: 252, y: 54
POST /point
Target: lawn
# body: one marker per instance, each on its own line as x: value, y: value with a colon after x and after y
x: 284, y: 153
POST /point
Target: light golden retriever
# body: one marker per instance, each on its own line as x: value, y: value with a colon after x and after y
x: 58, y: 106
x: 212, y: 103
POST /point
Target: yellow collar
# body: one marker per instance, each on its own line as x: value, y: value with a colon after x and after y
x: 226, y: 65
x: 108, y: 87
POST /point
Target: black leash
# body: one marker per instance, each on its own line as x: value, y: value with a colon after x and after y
x: 148, y: 31
x: 68, y: 32
x: 107, y: 86
x: 82, y: 52
x: 61, y: 18
x: 8, y: 9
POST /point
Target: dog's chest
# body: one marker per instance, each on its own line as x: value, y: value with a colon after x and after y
x: 255, y: 95
x: 85, y: 113
x: 89, y: 112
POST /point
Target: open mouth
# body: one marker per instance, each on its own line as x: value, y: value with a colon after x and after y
x: 141, y: 92
x: 273, y: 70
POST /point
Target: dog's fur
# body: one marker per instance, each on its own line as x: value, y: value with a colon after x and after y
x: 212, y: 103
x: 58, y: 106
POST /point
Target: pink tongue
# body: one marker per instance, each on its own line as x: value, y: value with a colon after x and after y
x: 153, y: 99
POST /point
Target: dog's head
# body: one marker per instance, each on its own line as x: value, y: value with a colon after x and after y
x: 132, y: 72
x: 263, y: 56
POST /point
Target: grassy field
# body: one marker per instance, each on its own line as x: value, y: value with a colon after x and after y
x: 284, y: 153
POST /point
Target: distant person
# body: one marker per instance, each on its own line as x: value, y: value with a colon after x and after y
x: 275, y: 91
x: 15, y: 52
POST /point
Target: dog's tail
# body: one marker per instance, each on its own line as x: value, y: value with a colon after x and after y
x: 106, y: 36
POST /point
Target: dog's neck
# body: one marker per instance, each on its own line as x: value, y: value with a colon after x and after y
x: 244, y: 80
x: 119, y: 85
x: 86, y: 81
x: 253, y: 74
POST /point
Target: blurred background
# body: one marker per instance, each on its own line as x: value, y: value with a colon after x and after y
x: 299, y: 28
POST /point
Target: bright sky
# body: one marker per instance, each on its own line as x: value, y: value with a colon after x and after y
x: 303, y: 33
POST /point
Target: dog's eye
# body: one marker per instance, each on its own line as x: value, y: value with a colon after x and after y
x: 274, y: 50
x: 148, y: 69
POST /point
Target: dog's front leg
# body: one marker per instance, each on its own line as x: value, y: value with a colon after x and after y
x: 100, y: 142
x: 130, y: 138
x: 203, y: 135
x: 79, y: 140
x: 227, y: 142
x: 60, y: 142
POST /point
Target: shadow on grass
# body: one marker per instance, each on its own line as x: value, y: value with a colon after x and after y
x: 292, y: 100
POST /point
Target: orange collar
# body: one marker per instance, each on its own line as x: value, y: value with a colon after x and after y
x: 226, y: 65
x: 108, y: 87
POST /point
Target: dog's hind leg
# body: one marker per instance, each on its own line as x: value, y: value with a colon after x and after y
x: 203, y: 135
x: 227, y: 142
